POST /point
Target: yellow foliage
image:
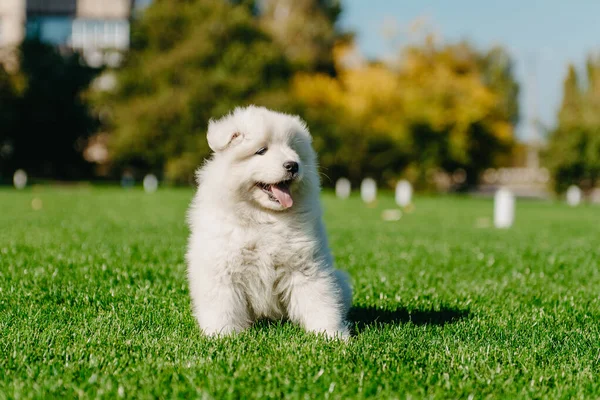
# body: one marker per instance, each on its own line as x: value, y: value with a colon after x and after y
x: 369, y: 93
x: 441, y: 88
x: 318, y: 90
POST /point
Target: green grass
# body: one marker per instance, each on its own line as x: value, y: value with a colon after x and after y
x: 94, y: 303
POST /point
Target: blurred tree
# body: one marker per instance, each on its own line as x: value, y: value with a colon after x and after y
x: 305, y: 30
x: 445, y: 107
x: 8, y: 102
x: 50, y: 117
x: 191, y: 60
x: 355, y: 120
x: 7, y: 99
x: 460, y: 107
x: 497, y: 71
x: 573, y: 152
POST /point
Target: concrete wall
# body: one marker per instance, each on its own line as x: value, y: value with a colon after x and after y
x: 12, y: 22
x: 103, y: 9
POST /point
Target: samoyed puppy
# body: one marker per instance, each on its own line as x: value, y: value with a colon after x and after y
x: 258, y: 247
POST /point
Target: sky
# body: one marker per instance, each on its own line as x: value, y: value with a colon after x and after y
x: 542, y: 36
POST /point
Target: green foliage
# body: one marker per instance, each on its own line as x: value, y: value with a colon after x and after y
x: 8, y: 108
x: 497, y: 73
x: 49, y: 119
x: 573, y: 151
x: 443, y: 107
x: 7, y: 99
x: 94, y: 304
x: 190, y: 61
x: 305, y: 31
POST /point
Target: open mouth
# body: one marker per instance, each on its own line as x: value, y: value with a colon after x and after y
x: 278, y: 192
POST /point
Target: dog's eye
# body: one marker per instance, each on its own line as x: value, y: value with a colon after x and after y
x: 261, y: 151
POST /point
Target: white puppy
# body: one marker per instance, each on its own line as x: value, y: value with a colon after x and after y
x: 258, y: 247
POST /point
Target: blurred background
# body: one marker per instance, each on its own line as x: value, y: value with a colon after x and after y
x: 451, y: 96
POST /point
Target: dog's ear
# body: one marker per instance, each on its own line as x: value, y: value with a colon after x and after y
x: 221, y: 136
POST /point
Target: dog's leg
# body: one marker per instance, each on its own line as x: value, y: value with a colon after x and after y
x: 220, y: 307
x: 320, y: 302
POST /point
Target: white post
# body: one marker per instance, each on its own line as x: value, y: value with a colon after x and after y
x: 342, y: 188
x: 595, y: 196
x: 404, y: 193
x: 573, y: 196
x: 368, y: 190
x: 20, y: 179
x: 504, y: 209
x: 150, y: 183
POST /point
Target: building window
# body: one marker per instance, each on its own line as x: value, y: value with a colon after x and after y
x: 55, y: 30
x: 100, y: 34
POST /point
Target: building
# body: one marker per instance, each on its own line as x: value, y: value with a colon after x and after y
x: 12, y: 28
x: 12, y: 22
x: 98, y: 29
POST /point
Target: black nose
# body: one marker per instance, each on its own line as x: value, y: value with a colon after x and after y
x: 291, y: 166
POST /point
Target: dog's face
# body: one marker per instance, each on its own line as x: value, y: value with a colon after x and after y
x: 269, y: 156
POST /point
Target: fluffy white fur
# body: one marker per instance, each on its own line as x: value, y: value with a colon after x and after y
x: 249, y: 256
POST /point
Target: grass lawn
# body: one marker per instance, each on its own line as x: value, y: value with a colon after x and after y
x: 94, y: 303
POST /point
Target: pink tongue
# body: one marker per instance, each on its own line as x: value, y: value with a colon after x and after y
x: 283, y: 195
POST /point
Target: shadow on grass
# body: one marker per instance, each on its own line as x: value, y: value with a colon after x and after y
x: 363, y: 317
